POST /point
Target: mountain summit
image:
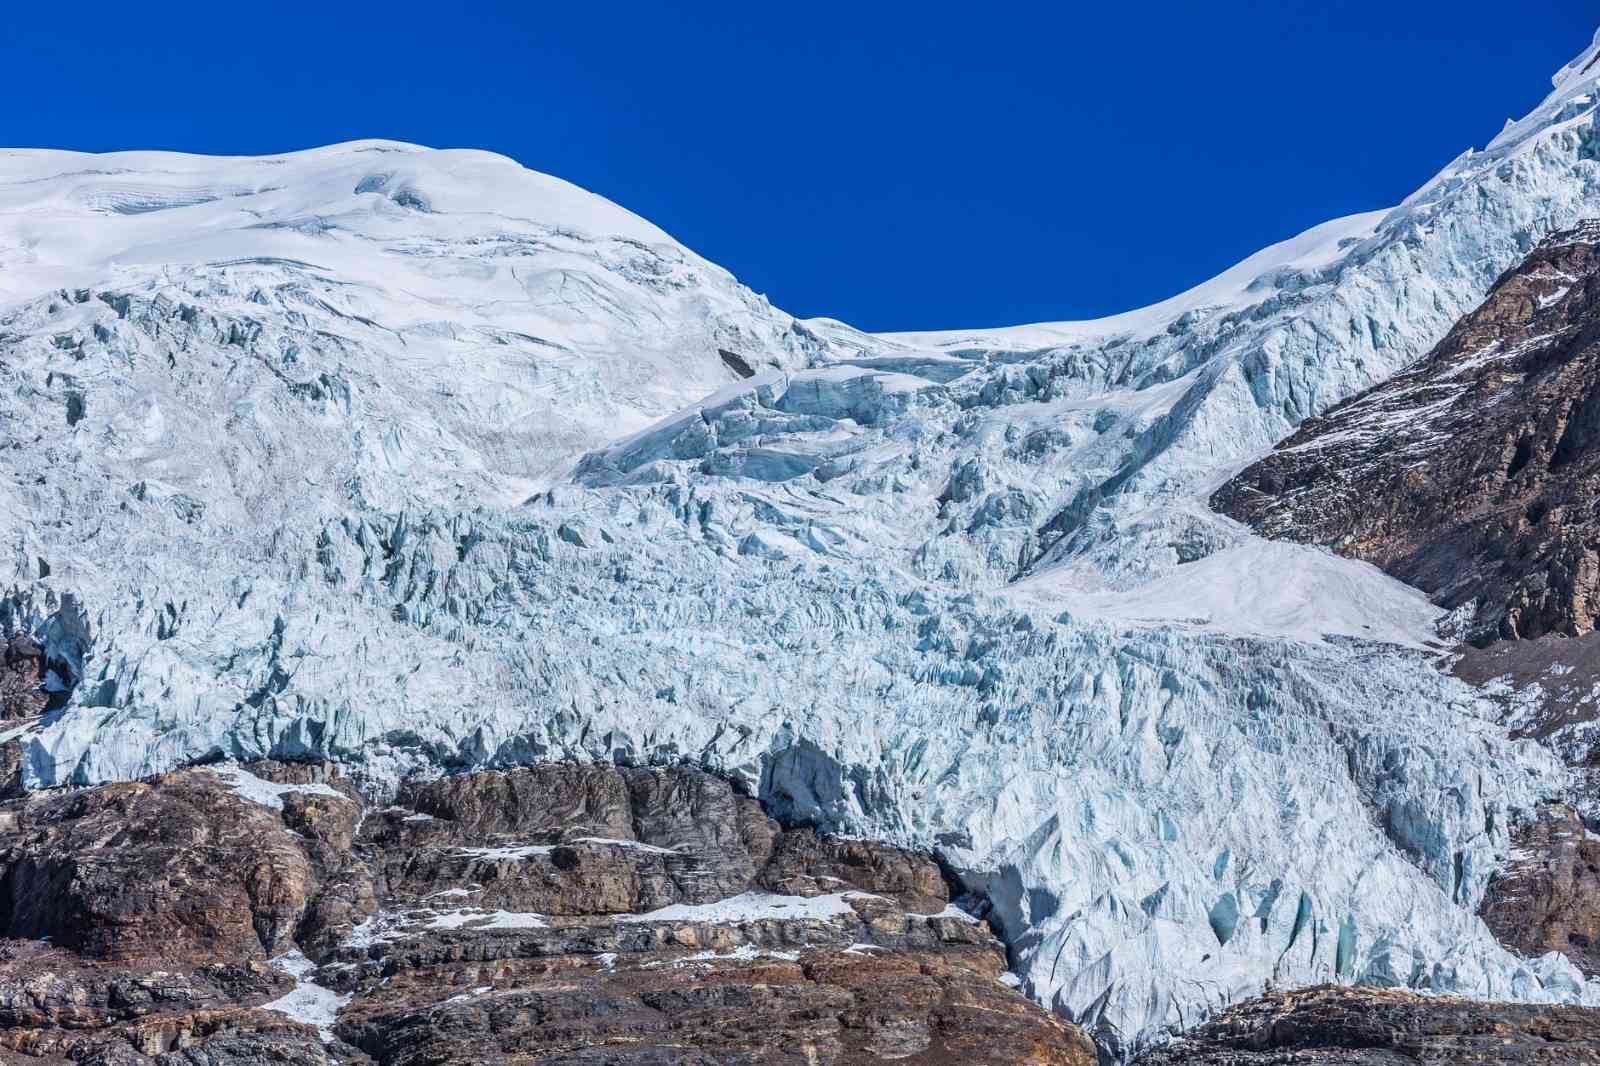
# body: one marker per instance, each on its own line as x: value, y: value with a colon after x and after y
x: 414, y: 463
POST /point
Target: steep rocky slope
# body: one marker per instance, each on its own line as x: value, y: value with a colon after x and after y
x: 557, y: 915
x: 419, y: 462
x: 1471, y: 475
x: 1547, y: 897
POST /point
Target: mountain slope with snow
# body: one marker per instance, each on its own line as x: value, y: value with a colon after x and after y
x: 519, y: 318
x: 1470, y: 475
x: 419, y: 461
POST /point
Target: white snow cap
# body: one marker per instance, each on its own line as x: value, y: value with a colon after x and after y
x: 1581, y: 68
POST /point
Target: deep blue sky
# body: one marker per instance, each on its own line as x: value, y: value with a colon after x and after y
x: 896, y: 165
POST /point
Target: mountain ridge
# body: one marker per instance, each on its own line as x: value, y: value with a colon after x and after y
x: 456, y: 498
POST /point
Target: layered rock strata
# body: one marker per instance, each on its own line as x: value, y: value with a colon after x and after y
x: 1331, y: 1025
x: 232, y: 915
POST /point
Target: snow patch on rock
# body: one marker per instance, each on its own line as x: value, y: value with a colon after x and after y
x: 752, y: 907
x: 242, y: 782
x: 308, y: 1001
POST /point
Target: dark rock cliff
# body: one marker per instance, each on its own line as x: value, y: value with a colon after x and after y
x: 1474, y: 474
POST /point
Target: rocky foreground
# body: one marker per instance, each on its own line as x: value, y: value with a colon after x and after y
x: 1333, y: 1026
x: 221, y: 916
x: 235, y: 916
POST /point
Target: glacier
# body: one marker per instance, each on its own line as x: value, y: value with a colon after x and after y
x: 421, y: 461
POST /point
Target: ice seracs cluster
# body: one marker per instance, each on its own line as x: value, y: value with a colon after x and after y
x: 421, y: 461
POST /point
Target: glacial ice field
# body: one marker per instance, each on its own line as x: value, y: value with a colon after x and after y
x: 419, y: 460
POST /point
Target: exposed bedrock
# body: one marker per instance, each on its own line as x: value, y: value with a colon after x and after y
x: 1547, y: 898
x: 228, y: 914
x: 1337, y: 1026
x: 22, y: 678
x: 167, y: 869
x: 1472, y: 474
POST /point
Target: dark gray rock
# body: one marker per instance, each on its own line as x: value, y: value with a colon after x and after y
x: 1338, y: 1026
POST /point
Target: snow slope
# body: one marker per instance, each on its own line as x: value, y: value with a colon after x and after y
x: 1241, y: 285
x: 417, y: 460
x: 518, y: 318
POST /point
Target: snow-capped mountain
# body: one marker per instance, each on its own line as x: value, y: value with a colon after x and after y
x: 509, y: 320
x: 420, y: 461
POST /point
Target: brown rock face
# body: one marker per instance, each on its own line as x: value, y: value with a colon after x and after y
x: 1337, y: 1026
x: 575, y: 840
x: 178, y: 868
x: 586, y: 800
x: 1548, y: 896
x: 22, y: 674
x: 56, y: 1006
x: 827, y: 1005
x: 1472, y: 475
x: 551, y: 915
x: 807, y: 864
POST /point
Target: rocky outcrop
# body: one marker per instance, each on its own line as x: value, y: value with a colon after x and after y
x: 806, y: 863
x: 556, y: 914
x: 867, y: 984
x: 22, y: 675
x: 1547, y: 897
x: 56, y: 1006
x: 574, y: 840
x: 1339, y: 1026
x: 179, y: 868
x: 807, y: 1005
x: 1471, y: 475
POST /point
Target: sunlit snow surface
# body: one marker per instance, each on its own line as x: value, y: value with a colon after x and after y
x: 307, y: 1001
x: 414, y: 458
x: 267, y: 793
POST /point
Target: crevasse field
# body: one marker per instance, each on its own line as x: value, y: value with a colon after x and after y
x: 419, y: 460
